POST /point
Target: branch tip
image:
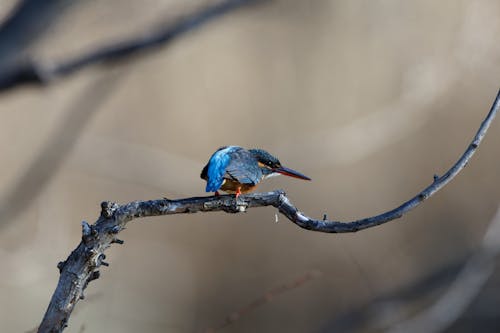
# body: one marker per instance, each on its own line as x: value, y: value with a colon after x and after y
x: 94, y: 276
x: 60, y: 265
x: 86, y: 229
x: 100, y: 260
x: 117, y: 241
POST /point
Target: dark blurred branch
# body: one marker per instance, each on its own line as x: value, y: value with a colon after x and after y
x: 34, y: 72
x: 264, y: 299
x: 52, y: 154
x: 467, y: 285
x: 83, y: 263
x: 386, y: 310
x: 27, y: 23
x: 24, y: 25
x: 450, y: 290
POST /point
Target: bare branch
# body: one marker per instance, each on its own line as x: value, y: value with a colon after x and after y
x: 438, y: 183
x: 287, y: 209
x: 83, y: 263
x: 33, y: 72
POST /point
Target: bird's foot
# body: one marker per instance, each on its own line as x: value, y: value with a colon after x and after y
x: 216, y: 193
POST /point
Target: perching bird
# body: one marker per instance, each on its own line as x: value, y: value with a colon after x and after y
x: 233, y: 169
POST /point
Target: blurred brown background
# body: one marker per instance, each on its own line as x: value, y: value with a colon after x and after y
x: 368, y: 98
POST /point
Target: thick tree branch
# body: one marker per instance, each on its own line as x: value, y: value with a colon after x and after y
x: 35, y: 72
x: 82, y: 265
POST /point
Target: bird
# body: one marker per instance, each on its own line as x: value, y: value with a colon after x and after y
x: 236, y: 170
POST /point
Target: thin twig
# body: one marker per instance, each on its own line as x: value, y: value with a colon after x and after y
x: 33, y: 72
x: 83, y: 263
x: 287, y: 209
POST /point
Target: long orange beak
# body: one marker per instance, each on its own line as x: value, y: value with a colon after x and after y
x: 291, y: 173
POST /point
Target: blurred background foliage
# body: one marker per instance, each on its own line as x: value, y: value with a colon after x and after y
x: 368, y: 98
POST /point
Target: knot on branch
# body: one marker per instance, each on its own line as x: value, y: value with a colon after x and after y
x: 96, y: 258
x: 423, y: 196
x: 108, y: 208
x: 100, y: 260
x: 60, y: 265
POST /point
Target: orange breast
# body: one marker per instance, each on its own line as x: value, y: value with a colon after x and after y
x: 231, y: 186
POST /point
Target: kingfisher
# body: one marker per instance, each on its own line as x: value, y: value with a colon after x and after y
x: 236, y: 170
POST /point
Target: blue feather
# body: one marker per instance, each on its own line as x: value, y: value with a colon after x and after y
x: 217, y: 168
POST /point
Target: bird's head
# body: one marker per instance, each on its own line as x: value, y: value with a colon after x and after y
x: 271, y: 166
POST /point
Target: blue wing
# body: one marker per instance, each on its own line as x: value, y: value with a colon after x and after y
x: 216, y: 168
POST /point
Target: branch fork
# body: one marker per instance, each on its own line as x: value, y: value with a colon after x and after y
x: 82, y: 265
